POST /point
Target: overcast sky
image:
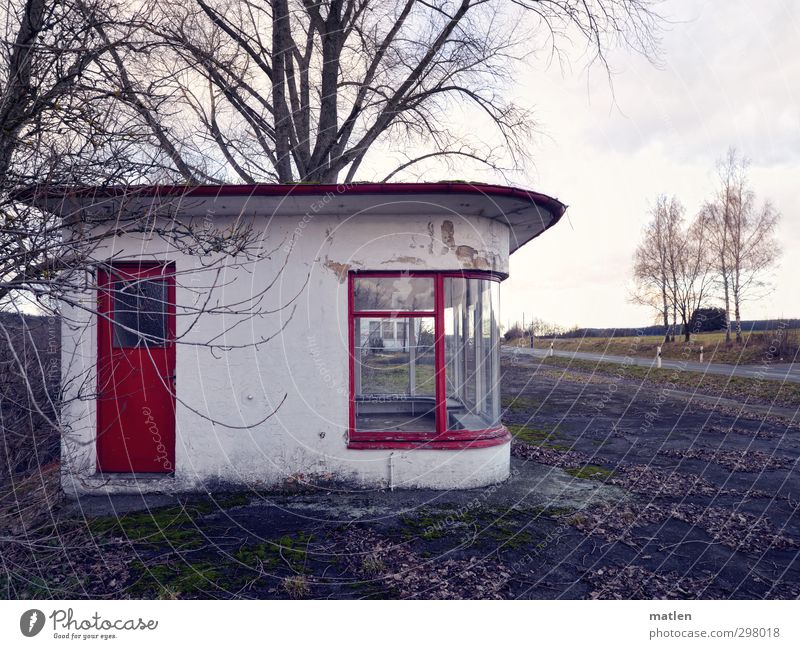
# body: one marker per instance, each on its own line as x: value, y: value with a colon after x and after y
x: 730, y: 75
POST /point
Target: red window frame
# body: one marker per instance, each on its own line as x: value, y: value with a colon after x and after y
x: 442, y: 438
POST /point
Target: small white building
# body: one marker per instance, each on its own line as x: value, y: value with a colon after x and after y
x: 245, y: 336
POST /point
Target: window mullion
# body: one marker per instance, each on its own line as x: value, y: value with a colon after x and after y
x: 439, y: 356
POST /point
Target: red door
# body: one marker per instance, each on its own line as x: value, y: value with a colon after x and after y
x: 136, y: 368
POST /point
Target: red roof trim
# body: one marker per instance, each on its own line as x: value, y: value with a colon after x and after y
x: 554, y: 206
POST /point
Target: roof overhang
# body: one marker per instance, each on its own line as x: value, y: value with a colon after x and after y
x: 526, y: 213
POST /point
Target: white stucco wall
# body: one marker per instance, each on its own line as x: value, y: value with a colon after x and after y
x: 303, y: 369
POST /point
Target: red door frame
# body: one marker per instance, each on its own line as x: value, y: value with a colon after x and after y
x: 158, y: 427
x: 442, y: 438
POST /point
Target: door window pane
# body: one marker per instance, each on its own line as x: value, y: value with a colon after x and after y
x: 139, y: 313
x: 393, y: 293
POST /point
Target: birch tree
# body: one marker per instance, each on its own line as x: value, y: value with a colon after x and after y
x: 742, y: 236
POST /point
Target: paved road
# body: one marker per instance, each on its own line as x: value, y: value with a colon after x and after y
x: 773, y: 371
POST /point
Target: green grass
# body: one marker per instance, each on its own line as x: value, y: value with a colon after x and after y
x: 753, y: 349
x: 735, y: 387
x: 388, y: 373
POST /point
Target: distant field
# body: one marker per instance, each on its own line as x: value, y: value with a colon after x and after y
x: 754, y: 349
x: 731, y: 387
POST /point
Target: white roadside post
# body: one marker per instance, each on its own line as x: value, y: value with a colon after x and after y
x: 658, y: 357
x: 551, y: 348
x: 701, y: 353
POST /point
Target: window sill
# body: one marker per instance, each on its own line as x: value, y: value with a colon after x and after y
x: 451, y: 440
x: 116, y: 476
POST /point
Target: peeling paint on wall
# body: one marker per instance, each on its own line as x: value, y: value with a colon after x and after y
x: 470, y: 258
x: 404, y: 259
x: 338, y: 269
x: 448, y: 234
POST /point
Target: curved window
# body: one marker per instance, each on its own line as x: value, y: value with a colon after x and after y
x: 424, y: 357
x: 472, y: 350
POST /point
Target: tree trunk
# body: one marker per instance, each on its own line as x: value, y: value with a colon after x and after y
x: 665, y: 312
x: 322, y: 167
x: 674, y: 323
x: 738, y: 319
x: 727, y: 307
x: 17, y: 93
x: 280, y: 43
x: 737, y: 299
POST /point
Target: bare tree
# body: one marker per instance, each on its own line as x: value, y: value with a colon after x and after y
x: 60, y: 119
x: 672, y: 270
x: 689, y: 271
x: 718, y: 216
x: 742, y: 237
x: 654, y: 258
x: 303, y: 90
x: 66, y: 120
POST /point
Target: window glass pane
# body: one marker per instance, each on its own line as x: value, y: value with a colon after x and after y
x: 395, y: 384
x: 471, y: 353
x: 140, y: 313
x: 490, y: 350
x: 404, y: 293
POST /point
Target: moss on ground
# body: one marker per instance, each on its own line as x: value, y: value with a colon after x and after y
x: 174, y: 526
x: 590, y: 472
x: 495, y: 529
x: 537, y: 436
x: 290, y: 550
x: 429, y: 524
x: 183, y: 576
x: 175, y: 579
x: 520, y: 402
